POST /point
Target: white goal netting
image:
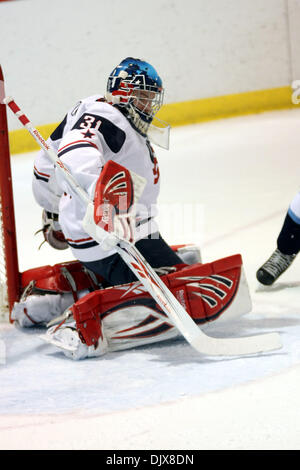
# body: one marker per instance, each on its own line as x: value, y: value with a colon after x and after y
x: 4, y: 309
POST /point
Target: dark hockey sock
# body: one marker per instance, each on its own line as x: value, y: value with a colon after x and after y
x: 288, y: 241
x: 154, y: 249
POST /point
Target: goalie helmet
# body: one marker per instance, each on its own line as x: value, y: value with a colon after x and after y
x: 135, y: 87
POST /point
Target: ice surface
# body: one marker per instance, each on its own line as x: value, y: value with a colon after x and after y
x: 227, y: 185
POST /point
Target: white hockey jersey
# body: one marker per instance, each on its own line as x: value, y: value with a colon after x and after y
x: 92, y: 133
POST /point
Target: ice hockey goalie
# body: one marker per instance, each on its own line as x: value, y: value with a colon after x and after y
x: 96, y: 304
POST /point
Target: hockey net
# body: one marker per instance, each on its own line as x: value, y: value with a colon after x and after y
x: 9, y: 270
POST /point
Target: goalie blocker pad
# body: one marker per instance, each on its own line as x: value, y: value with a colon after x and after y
x: 116, y: 191
x: 128, y: 316
x: 114, y: 194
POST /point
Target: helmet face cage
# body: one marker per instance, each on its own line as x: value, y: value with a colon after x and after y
x: 135, y: 86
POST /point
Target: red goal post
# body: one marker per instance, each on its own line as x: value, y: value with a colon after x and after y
x: 9, y: 267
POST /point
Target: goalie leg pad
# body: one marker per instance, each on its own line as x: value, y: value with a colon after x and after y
x: 38, y: 310
x: 212, y: 291
x: 74, y: 277
x: 86, y: 313
x: 130, y: 316
x: 65, y: 277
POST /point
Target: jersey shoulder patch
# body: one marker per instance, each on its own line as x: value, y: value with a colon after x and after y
x: 114, y: 136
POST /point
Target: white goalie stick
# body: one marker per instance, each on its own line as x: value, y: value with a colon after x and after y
x: 199, y: 340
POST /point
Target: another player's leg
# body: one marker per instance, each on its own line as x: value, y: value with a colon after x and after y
x: 288, y: 246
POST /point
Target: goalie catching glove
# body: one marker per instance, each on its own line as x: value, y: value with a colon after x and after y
x: 112, y: 215
x: 52, y: 231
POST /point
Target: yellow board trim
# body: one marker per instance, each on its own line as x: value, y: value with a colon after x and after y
x: 187, y: 112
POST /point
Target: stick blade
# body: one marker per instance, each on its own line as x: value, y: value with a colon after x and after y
x: 236, y: 346
x: 201, y: 342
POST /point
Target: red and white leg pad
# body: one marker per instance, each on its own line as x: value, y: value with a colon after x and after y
x: 38, y: 310
x: 127, y: 316
x: 36, y: 307
x: 49, y: 290
x: 70, y: 276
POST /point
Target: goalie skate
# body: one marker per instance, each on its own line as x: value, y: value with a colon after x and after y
x: 66, y: 338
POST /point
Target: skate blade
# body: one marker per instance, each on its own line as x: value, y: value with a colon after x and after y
x: 50, y: 340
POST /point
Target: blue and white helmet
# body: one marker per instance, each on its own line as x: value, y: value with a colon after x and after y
x: 136, y: 88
